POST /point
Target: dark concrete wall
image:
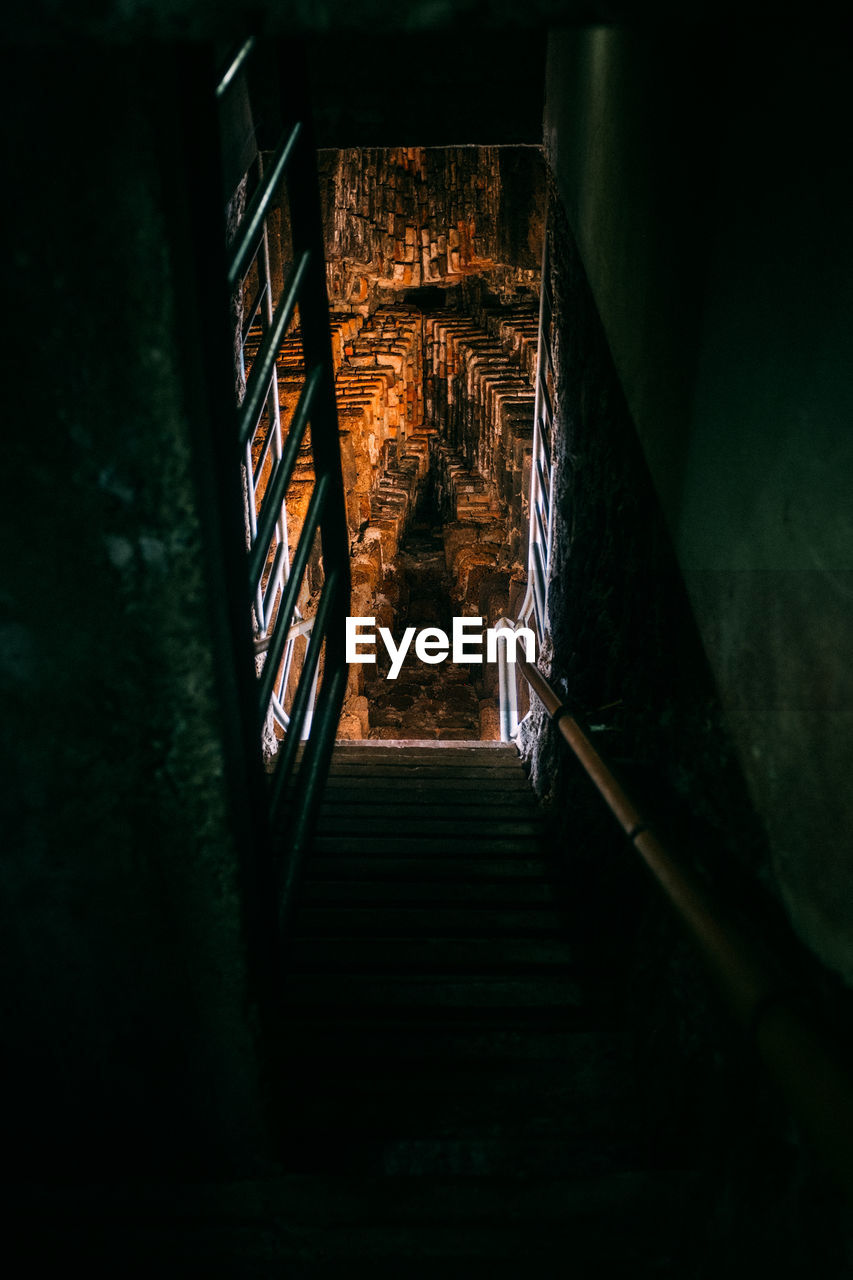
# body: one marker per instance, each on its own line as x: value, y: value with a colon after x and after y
x: 465, y: 20
x: 128, y: 1031
x: 629, y: 137
x: 411, y: 89
x: 706, y: 184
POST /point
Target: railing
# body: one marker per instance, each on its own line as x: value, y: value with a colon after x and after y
x: 541, y: 472
x: 811, y: 1077
x: 268, y: 447
x: 814, y: 1081
x: 534, y: 608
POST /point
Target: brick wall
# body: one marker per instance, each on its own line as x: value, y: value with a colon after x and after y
x: 423, y: 392
x: 415, y: 392
x: 401, y: 218
x: 479, y: 392
x: 385, y: 456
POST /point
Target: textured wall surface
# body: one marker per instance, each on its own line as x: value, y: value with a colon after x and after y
x: 425, y: 245
x: 714, y: 237
x: 404, y: 217
x: 628, y: 657
x: 122, y: 921
x: 440, y: 105
x: 125, y: 19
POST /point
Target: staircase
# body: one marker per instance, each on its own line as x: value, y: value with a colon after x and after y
x: 458, y: 1099
x: 459, y: 1095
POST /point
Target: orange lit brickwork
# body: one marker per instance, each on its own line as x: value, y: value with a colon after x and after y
x: 401, y: 218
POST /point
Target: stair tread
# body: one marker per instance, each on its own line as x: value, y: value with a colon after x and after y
x: 426, y: 765
x: 402, y: 855
x: 434, y: 990
x: 455, y: 1113
x: 422, y: 772
x: 478, y: 893
x: 522, y: 1157
x: 535, y: 1084
x: 391, y: 921
x: 451, y: 788
x: 375, y: 1040
x: 391, y: 843
x: 429, y: 954
x: 331, y: 822
x: 435, y: 867
x: 595, y: 1226
x: 430, y: 754
x: 409, y: 749
x: 444, y: 762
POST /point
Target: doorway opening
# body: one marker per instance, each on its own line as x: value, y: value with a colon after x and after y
x: 433, y: 271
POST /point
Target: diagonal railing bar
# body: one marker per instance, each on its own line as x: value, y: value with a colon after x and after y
x: 235, y: 67
x: 252, y: 227
x: 281, y: 479
x: 294, y: 582
x: 268, y: 595
x: 252, y: 311
x: 270, y: 442
x: 264, y: 364
x: 287, y: 754
x: 312, y: 773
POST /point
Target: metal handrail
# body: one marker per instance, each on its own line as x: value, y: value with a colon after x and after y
x: 253, y: 224
x: 269, y: 454
x: 534, y: 607
x: 814, y: 1081
x: 235, y: 66
x: 257, y: 387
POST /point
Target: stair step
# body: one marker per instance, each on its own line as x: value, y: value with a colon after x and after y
x: 369, y: 1042
x: 603, y: 1226
x: 431, y: 955
x: 447, y: 1103
x: 513, y: 793
x: 433, y: 991
x: 605, y: 1075
x: 527, y: 1159
x: 402, y: 845
x: 430, y: 755
x: 332, y: 822
x: 417, y: 771
x: 434, y: 922
x: 392, y: 853
x: 441, y: 791
x: 433, y: 754
x: 448, y: 892
x: 365, y: 867
x: 499, y: 752
x: 432, y: 1199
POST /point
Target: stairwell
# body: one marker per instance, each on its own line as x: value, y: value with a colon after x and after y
x: 461, y: 1094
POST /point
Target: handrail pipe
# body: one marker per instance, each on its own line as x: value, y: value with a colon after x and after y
x: 811, y: 1076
